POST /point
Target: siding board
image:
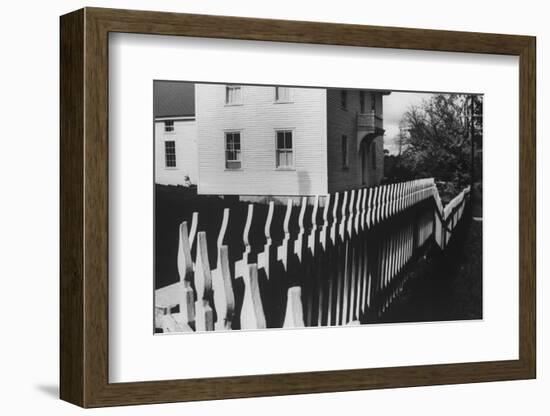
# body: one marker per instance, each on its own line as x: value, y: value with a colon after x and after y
x: 257, y: 119
x: 185, y: 136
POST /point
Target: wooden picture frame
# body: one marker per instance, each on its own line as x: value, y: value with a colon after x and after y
x: 84, y: 207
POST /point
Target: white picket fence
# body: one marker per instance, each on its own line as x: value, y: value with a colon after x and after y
x: 342, y: 265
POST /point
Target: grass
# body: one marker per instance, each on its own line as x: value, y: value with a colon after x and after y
x: 449, y: 287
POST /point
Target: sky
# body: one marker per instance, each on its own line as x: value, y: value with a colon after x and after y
x: 395, y: 106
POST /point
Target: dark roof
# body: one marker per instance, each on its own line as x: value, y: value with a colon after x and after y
x: 173, y: 99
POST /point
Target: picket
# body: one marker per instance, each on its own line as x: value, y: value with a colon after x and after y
x: 340, y: 260
x: 204, y: 315
x: 224, y: 298
x: 252, y: 313
x: 294, y: 316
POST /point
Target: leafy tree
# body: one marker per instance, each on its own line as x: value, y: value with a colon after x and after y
x: 434, y: 141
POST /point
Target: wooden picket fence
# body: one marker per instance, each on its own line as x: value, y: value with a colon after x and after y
x: 343, y: 264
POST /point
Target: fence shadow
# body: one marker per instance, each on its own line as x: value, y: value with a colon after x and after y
x: 339, y: 259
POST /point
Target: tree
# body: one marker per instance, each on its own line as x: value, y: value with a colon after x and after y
x: 435, y: 140
x: 402, y: 136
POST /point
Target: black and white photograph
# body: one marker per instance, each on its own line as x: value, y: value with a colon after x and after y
x: 282, y: 206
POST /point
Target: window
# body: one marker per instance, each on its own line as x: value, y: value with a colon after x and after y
x: 345, y: 157
x: 233, y: 94
x: 170, y: 153
x: 233, y: 150
x: 284, y: 156
x: 344, y: 99
x: 362, y: 101
x: 282, y: 94
x: 373, y: 154
x: 169, y: 126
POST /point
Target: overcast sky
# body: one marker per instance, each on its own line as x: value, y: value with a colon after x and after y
x: 395, y: 106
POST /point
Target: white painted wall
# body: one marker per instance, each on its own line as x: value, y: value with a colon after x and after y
x: 185, y: 136
x: 29, y: 351
x: 257, y: 119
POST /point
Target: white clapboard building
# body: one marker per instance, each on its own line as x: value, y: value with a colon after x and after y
x: 264, y: 140
x: 176, y: 160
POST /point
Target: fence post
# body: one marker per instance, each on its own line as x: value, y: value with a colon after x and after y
x: 348, y: 260
x: 185, y: 271
x: 323, y: 265
x: 312, y: 281
x: 265, y: 258
x: 341, y: 263
x: 332, y: 266
x: 252, y: 312
x: 284, y: 250
x: 362, y: 249
x: 203, y: 286
x: 357, y: 257
x: 242, y: 264
x: 224, y: 298
x: 294, y: 315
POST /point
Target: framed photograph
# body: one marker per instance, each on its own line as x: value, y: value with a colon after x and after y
x: 255, y: 207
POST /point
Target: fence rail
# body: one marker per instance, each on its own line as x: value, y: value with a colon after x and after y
x: 338, y: 260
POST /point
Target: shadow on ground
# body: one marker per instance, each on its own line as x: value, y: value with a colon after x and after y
x: 447, y: 286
